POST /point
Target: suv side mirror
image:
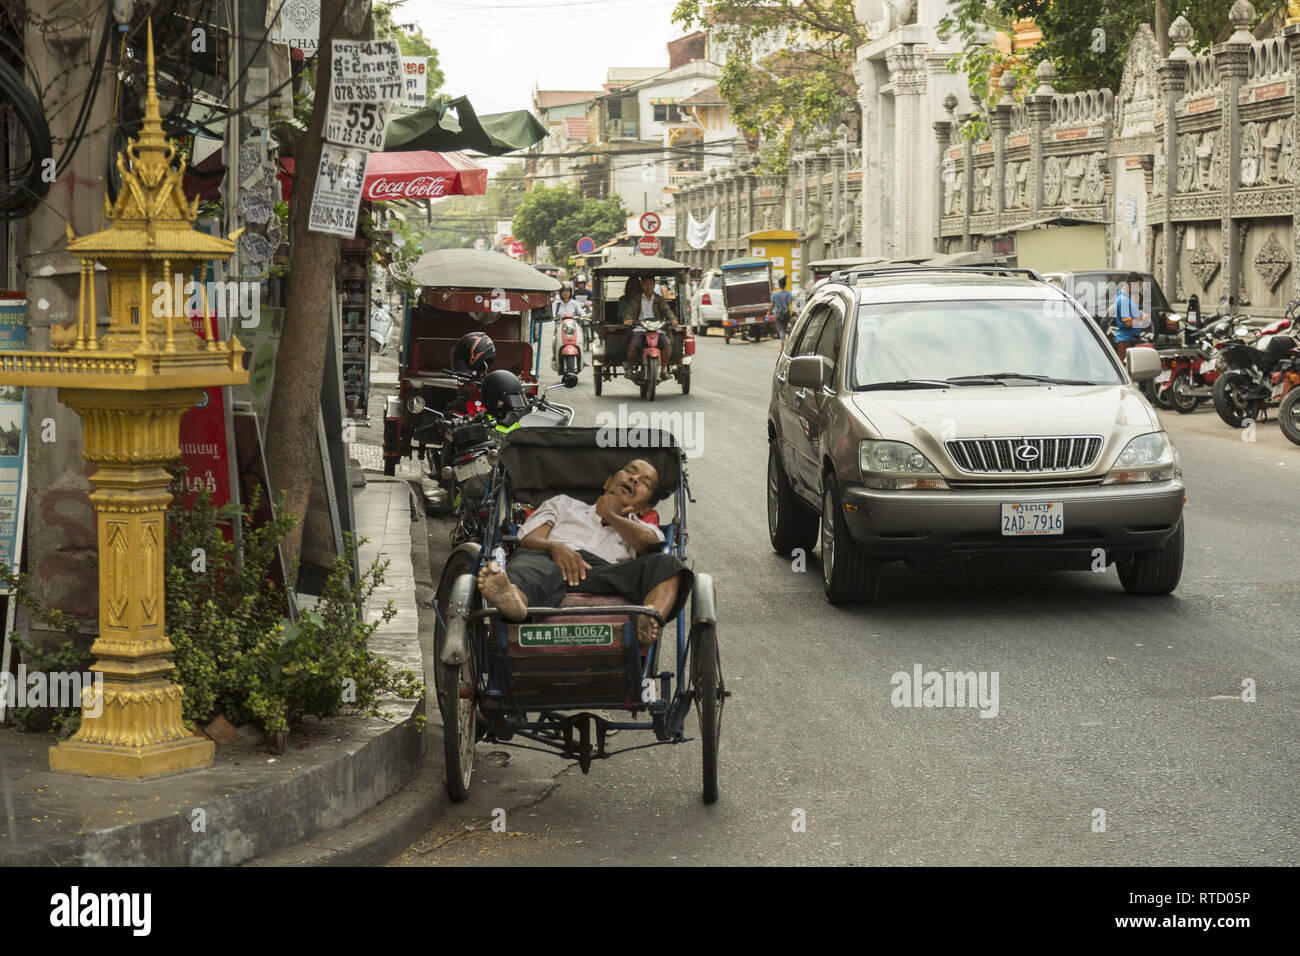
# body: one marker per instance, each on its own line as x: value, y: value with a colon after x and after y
x: 809, y: 371
x: 1143, y: 364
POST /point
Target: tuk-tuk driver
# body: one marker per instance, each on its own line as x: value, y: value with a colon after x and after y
x: 611, y: 547
x: 635, y: 311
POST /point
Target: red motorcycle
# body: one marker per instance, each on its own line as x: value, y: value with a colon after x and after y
x: 1189, y: 374
x: 566, y: 350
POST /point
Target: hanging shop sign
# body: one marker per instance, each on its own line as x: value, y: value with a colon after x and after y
x: 415, y: 81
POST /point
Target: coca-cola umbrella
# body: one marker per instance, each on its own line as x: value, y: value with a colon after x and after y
x: 418, y: 174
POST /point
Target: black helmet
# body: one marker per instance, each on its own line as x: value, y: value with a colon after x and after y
x: 473, y: 354
x: 503, y: 397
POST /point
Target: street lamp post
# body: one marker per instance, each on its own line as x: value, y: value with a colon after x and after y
x: 131, y: 386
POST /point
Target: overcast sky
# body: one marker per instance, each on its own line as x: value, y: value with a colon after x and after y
x: 497, y: 51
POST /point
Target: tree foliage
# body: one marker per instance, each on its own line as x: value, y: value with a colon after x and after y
x: 410, y: 39
x: 558, y: 217
x: 1086, y: 41
x: 789, y: 63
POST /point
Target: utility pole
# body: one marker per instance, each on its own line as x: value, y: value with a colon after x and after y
x: 61, y: 524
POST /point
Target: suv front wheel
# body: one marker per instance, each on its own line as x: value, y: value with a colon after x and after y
x: 849, y: 576
x: 790, y: 523
x: 1153, y: 572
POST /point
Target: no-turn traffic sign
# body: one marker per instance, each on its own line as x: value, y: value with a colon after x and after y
x: 650, y: 223
x: 648, y: 245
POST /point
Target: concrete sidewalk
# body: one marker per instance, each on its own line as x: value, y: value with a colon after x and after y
x: 250, y: 803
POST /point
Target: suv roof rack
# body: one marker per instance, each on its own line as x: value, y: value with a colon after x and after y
x: 847, y: 275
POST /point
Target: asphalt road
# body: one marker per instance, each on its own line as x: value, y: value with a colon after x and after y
x: 1131, y: 706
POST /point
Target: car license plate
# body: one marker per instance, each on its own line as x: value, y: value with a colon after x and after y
x: 1164, y: 376
x: 1033, y: 517
x: 566, y: 635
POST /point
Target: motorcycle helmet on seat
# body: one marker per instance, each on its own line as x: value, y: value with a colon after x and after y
x: 503, y: 397
x: 473, y: 354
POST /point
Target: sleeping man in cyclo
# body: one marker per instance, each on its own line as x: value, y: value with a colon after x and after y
x: 611, y: 548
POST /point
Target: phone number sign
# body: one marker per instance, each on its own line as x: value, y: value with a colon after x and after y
x: 366, y: 71
x: 366, y: 81
x: 337, y: 198
x: 363, y: 125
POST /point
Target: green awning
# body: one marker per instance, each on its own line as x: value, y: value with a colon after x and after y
x: 433, y: 128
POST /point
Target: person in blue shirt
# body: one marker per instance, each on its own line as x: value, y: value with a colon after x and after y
x: 781, y: 300
x: 1129, y: 318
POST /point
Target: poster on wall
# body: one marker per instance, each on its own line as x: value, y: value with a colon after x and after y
x: 13, y: 468
x: 205, y: 448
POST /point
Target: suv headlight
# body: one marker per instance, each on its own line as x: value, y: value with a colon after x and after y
x: 1148, y: 457
x: 897, y: 466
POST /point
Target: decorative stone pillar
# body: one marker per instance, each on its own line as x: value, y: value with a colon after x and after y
x: 1231, y: 61
x: 866, y: 86
x: 907, y: 74
x: 943, y: 136
x: 1000, y: 123
x: 1039, y: 104
x: 1173, y: 76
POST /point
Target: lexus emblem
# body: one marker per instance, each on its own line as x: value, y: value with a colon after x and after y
x: 1027, y: 452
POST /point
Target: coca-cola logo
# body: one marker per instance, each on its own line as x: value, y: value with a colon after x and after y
x: 421, y: 187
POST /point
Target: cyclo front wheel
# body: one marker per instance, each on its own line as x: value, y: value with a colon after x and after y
x: 706, y: 675
x: 454, y: 685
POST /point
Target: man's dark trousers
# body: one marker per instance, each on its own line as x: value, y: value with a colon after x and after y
x: 539, y: 577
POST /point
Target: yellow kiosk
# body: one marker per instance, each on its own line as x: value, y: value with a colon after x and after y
x: 782, y: 247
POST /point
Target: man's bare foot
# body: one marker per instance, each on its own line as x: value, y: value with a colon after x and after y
x: 502, y: 595
x: 647, y: 630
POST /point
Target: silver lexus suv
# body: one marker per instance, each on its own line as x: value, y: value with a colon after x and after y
x: 935, y: 415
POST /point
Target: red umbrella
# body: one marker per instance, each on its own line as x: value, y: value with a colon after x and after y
x: 417, y: 174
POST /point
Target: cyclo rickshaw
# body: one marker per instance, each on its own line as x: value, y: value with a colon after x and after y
x: 542, y: 680
x: 462, y: 291
x: 609, y: 352
x: 747, y: 296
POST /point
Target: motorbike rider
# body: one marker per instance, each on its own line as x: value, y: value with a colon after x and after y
x: 581, y: 293
x: 565, y: 306
x: 635, y: 311
x: 1129, y: 317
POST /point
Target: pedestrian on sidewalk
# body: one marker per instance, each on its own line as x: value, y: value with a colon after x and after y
x: 781, y: 300
x: 1129, y: 318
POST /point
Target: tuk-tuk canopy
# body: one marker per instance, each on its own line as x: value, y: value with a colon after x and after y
x: 635, y: 265
x: 746, y: 262
x: 471, y: 269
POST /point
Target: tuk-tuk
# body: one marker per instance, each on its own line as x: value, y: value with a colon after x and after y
x: 747, y: 296
x: 822, y: 269
x: 609, y: 352
x: 462, y: 291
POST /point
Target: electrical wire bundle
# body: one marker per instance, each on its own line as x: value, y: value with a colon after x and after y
x: 25, y: 186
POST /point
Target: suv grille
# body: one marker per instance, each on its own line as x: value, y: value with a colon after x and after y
x: 1024, y: 455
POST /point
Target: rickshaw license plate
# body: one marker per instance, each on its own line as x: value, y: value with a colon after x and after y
x: 1033, y: 517
x: 566, y: 635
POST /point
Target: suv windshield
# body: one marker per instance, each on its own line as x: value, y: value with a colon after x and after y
x: 1009, y: 342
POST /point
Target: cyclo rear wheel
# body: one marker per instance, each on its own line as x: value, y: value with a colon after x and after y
x: 706, y: 678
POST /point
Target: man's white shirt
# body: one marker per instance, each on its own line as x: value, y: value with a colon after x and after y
x: 575, y: 524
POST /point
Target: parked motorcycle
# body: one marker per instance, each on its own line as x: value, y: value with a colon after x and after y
x: 459, y: 450
x: 1289, y: 416
x: 1189, y: 374
x: 1257, y: 369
